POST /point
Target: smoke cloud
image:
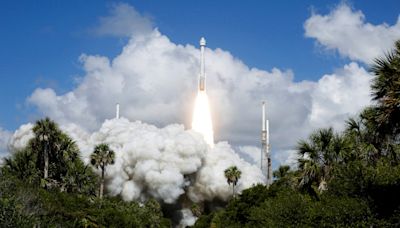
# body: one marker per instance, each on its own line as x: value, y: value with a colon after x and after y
x: 4, y: 140
x: 163, y: 163
x: 188, y: 219
x: 152, y: 73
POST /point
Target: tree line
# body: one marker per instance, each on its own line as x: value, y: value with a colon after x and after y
x: 343, y: 179
x: 47, y: 184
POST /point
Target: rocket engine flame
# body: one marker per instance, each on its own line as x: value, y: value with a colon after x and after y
x: 201, y: 121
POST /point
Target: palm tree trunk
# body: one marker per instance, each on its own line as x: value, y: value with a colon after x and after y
x: 102, y: 182
x: 233, y: 190
x: 46, y: 162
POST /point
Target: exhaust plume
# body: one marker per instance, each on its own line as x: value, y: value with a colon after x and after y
x: 202, y: 122
x: 164, y: 163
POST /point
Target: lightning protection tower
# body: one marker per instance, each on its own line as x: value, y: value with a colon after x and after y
x: 266, y: 167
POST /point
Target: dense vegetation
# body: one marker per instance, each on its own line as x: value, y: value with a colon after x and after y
x: 47, y: 184
x: 343, y: 179
x: 346, y: 179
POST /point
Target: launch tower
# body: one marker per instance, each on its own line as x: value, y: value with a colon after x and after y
x: 265, y: 147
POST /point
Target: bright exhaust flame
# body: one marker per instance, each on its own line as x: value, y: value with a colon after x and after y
x: 201, y: 121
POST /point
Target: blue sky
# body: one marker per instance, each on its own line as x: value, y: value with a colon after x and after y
x: 41, y: 41
x: 73, y: 60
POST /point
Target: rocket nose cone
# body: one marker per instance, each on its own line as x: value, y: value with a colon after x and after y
x: 202, y: 41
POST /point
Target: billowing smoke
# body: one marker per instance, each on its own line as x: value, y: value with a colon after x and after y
x: 188, y: 219
x: 164, y: 163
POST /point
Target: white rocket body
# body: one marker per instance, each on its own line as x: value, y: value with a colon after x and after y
x: 202, y: 78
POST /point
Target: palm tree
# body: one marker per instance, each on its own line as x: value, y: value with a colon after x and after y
x: 362, y: 135
x: 285, y: 177
x: 46, y: 131
x: 22, y: 165
x: 101, y: 157
x: 318, y: 155
x: 281, y: 172
x: 232, y: 175
x: 386, y: 91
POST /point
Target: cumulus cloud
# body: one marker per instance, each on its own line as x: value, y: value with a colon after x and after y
x: 339, y: 95
x: 123, y: 21
x: 155, y: 81
x: 164, y: 163
x: 21, y: 137
x: 347, y: 31
x: 251, y: 154
x: 286, y: 157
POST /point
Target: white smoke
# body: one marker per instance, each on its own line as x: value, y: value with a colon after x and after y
x: 152, y: 73
x: 163, y: 163
x: 4, y: 139
x: 211, y: 181
x: 188, y: 219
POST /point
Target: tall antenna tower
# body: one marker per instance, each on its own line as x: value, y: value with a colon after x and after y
x: 117, y: 111
x: 266, y: 167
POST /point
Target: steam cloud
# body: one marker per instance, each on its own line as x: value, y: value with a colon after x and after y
x: 163, y: 163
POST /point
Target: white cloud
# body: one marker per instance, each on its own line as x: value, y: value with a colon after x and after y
x: 21, y: 137
x: 286, y: 157
x: 123, y: 21
x: 339, y: 95
x: 251, y: 154
x: 346, y: 31
x: 4, y: 138
x: 159, y: 162
x: 155, y: 81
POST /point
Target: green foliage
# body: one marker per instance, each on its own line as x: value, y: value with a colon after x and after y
x: 11, y: 216
x: 66, y: 171
x: 240, y: 209
x: 23, y: 166
x: 285, y: 178
x: 378, y: 184
x: 386, y: 92
x: 100, y: 158
x: 232, y: 175
x: 68, y: 197
x: 349, y: 179
x: 205, y: 221
x: 27, y: 206
x: 196, y: 210
x: 318, y: 156
x: 289, y: 208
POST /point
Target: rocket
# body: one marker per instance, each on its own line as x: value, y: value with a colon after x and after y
x: 202, y: 78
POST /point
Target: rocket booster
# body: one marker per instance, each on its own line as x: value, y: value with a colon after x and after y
x: 202, y: 78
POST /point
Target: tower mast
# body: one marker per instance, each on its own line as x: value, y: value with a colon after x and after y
x: 117, y: 111
x: 266, y: 167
